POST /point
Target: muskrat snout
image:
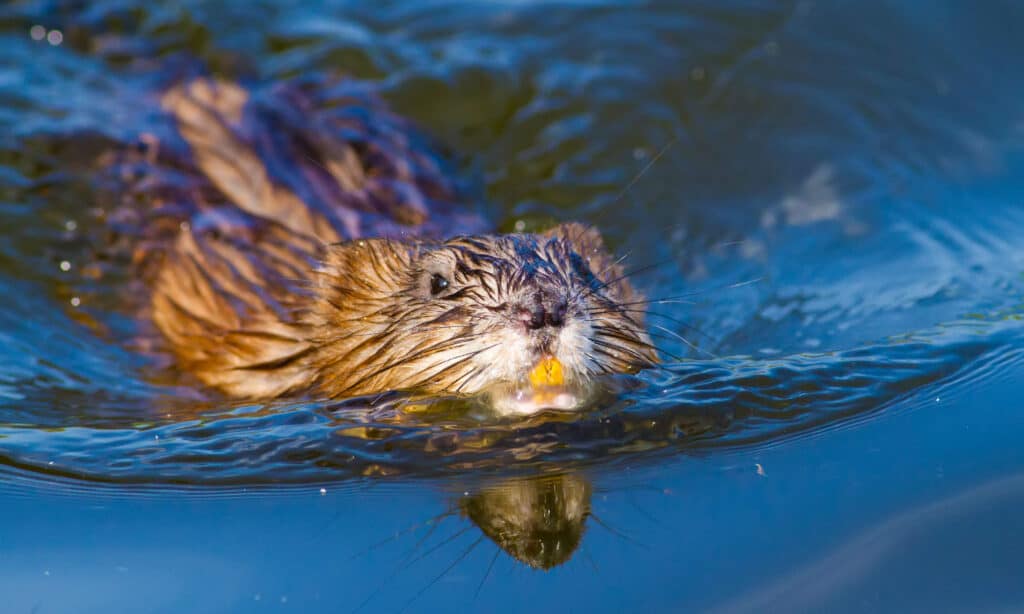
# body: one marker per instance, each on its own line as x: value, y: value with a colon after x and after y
x: 544, y: 308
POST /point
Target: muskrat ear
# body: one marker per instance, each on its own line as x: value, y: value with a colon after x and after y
x: 588, y: 243
x: 367, y: 268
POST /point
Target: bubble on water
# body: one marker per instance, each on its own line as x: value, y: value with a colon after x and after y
x: 37, y: 32
x: 65, y: 266
x: 520, y: 226
x: 70, y: 225
x: 75, y: 301
x: 55, y: 37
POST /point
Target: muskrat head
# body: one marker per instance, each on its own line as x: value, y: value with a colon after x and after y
x: 529, y: 319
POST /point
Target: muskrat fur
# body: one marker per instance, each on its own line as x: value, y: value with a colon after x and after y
x: 309, y: 244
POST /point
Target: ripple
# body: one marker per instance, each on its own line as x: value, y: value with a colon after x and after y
x: 689, y: 407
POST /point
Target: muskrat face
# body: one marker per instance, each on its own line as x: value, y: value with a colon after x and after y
x: 529, y: 319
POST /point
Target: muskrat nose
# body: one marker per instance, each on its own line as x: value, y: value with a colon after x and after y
x: 543, y: 312
x: 556, y: 314
x: 533, y: 318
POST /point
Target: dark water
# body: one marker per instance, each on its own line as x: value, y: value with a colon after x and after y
x: 842, y: 433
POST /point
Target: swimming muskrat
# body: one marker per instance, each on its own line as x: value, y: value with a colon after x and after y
x: 296, y: 242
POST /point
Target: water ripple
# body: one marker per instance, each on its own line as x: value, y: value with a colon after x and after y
x: 688, y: 407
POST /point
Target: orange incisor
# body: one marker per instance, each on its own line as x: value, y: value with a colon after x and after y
x: 548, y: 372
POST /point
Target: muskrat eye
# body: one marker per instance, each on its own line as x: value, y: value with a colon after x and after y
x: 438, y: 284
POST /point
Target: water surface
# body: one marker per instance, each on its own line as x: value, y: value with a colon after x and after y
x: 825, y: 197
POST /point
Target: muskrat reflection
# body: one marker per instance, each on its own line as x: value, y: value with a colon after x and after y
x: 538, y: 521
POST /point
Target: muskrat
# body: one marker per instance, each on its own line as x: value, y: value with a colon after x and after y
x: 297, y: 243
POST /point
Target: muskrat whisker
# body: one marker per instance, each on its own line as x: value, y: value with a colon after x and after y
x: 677, y: 299
x: 603, y: 369
x: 614, y: 263
x: 660, y: 315
x: 611, y: 351
x: 590, y: 290
x: 316, y: 162
x: 636, y: 178
x: 684, y: 340
x: 738, y: 284
x: 646, y: 168
x: 637, y: 357
x: 623, y: 313
x: 612, y: 334
x: 684, y: 324
x: 653, y: 301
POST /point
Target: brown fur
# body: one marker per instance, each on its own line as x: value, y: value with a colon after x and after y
x: 260, y: 292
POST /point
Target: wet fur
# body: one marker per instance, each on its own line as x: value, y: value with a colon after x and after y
x: 266, y: 284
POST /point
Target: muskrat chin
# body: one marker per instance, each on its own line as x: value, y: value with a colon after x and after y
x: 524, y: 400
x: 507, y: 384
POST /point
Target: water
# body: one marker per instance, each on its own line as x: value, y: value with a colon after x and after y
x: 840, y: 434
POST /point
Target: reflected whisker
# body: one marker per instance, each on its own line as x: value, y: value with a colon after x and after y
x: 617, y: 532
x: 433, y: 523
x: 443, y: 573
x: 402, y: 567
x: 487, y: 574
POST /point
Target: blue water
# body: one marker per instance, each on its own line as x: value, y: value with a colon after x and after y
x: 827, y: 196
